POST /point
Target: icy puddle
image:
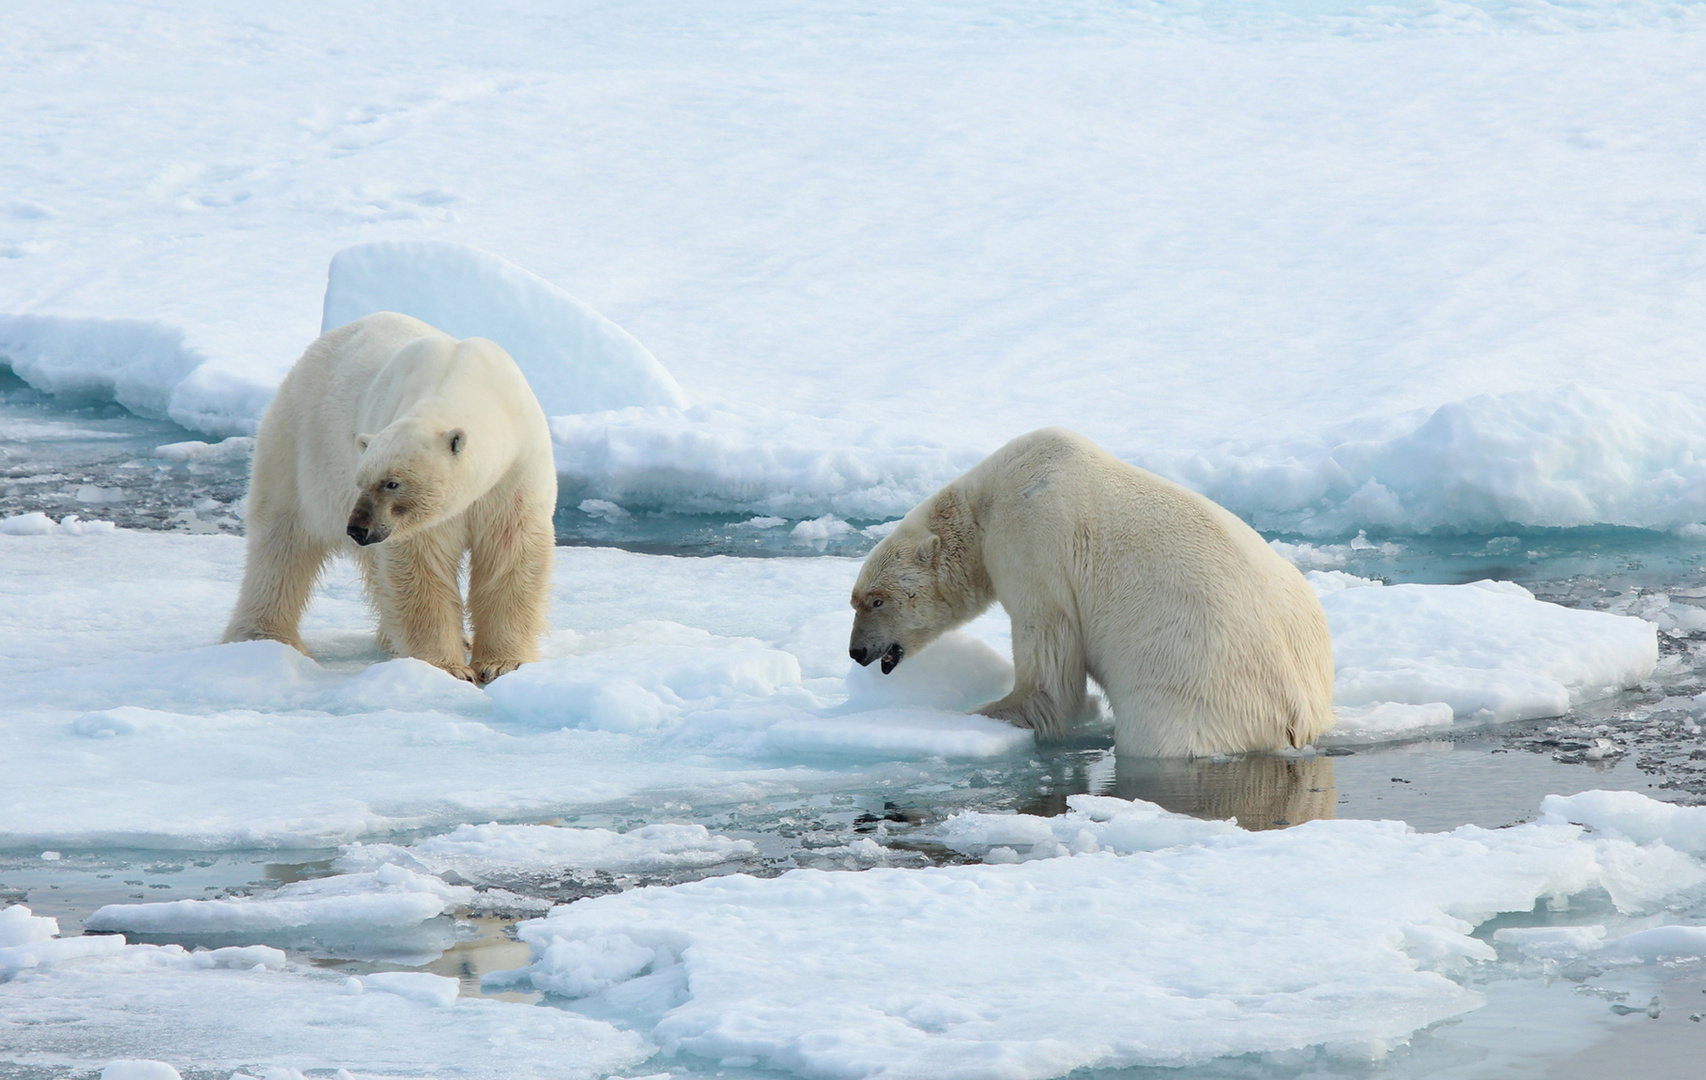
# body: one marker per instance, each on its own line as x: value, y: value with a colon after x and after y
x: 417, y: 878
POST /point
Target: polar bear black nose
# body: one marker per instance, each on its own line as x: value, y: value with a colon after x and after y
x: 861, y: 656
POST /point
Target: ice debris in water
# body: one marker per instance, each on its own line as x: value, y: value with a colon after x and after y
x: 388, y: 897
x: 250, y: 1004
x: 820, y: 529
x: 37, y: 523
x: 232, y: 449
x: 472, y: 852
x: 138, y: 1069
x: 605, y: 509
x: 1108, y: 946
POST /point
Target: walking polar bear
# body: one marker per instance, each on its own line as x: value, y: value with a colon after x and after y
x: 396, y: 443
x: 1204, y: 639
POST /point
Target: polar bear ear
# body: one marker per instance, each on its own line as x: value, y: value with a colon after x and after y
x: 457, y: 440
x: 926, y: 550
x: 361, y: 442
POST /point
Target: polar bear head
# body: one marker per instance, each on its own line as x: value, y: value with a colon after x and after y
x: 924, y: 578
x: 410, y: 475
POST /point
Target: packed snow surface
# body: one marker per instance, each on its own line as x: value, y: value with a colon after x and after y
x: 1401, y: 265
x: 1167, y: 956
x: 707, y: 679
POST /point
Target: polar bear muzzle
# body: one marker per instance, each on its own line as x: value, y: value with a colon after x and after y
x: 364, y: 526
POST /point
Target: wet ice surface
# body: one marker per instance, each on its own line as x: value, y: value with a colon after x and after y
x: 1640, y: 740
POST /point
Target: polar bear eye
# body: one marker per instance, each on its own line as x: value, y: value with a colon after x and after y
x: 392, y: 485
x: 875, y: 604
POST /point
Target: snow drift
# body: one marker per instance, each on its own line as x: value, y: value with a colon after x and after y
x: 576, y: 360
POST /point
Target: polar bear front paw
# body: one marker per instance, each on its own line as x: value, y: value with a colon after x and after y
x: 487, y: 670
x: 461, y: 671
x: 1006, y: 709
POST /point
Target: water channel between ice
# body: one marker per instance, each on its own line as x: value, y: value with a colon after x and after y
x: 102, y: 463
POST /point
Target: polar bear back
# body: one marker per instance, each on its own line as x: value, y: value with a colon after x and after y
x: 1202, y: 636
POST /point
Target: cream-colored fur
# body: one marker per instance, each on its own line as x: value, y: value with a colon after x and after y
x: 1204, y: 639
x: 429, y: 449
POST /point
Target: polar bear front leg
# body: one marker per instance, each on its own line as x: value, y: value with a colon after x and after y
x: 509, y: 591
x: 1048, y: 676
x: 279, y: 572
x: 419, y: 598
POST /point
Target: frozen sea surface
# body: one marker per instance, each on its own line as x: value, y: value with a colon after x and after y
x: 1416, y: 288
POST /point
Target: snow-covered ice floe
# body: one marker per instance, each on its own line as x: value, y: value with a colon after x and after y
x: 474, y: 852
x: 1412, y: 657
x: 1141, y: 938
x: 352, y: 906
x: 713, y: 679
x: 249, y: 1007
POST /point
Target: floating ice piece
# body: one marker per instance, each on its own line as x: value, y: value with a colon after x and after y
x: 575, y: 359
x: 232, y: 449
x: 1109, y: 948
x: 820, y: 529
x: 213, y: 1012
x: 18, y: 926
x: 474, y: 851
x: 1093, y: 823
x: 387, y: 898
x: 1552, y: 942
x: 604, y: 508
x: 136, y: 1069
x: 37, y: 523
x: 1589, y: 943
x: 1632, y: 816
x: 1489, y: 649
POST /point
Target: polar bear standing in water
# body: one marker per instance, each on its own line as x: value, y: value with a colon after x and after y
x: 1204, y: 639
x: 396, y: 443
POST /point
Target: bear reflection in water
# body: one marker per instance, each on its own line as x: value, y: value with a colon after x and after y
x: 1263, y: 791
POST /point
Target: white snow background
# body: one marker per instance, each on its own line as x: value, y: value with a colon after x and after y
x: 1417, y: 265
x: 1412, y: 267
